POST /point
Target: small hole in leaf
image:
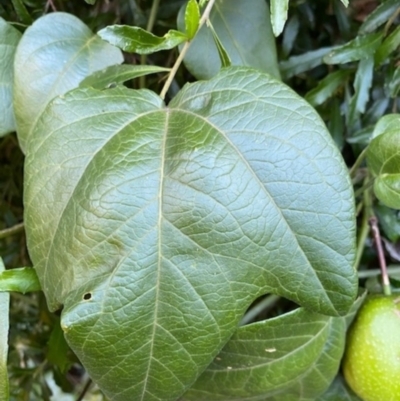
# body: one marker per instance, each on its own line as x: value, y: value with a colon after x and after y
x: 87, y: 296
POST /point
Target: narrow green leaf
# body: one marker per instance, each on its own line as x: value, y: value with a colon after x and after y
x: 327, y: 87
x: 291, y: 357
x: 133, y: 39
x: 9, y: 38
x: 54, y: 55
x: 4, y: 326
x: 22, y: 12
x: 279, y: 11
x: 223, y: 55
x: 22, y: 280
x: 362, y: 86
x: 388, y: 46
x: 192, y: 18
x: 118, y: 74
x: 289, y: 35
x: 298, y: 64
x: 90, y: 2
x: 357, y: 49
x: 245, y: 33
x: 336, y: 123
x: 379, y: 16
x: 345, y: 2
x: 363, y: 83
x: 153, y: 199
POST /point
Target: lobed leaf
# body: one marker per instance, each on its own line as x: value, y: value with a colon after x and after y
x: 133, y: 39
x: 54, y: 55
x: 244, y: 32
x: 170, y: 221
x: 9, y: 38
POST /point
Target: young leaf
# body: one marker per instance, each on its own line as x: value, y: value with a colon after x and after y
x: 226, y: 194
x: 21, y: 280
x: 133, y: 39
x: 279, y: 11
x: 245, y: 33
x: 54, y: 55
x: 379, y: 16
x: 4, y: 326
x: 118, y: 74
x: 192, y: 18
x: 327, y: 87
x: 359, y: 48
x: 262, y: 360
x: 9, y: 38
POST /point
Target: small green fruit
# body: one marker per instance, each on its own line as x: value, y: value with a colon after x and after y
x: 371, y: 364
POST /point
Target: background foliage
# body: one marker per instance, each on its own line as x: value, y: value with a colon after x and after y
x: 344, y: 61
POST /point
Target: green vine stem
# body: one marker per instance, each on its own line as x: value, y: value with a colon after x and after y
x: 357, y: 163
x: 373, y: 221
x: 8, y: 232
x: 185, y: 48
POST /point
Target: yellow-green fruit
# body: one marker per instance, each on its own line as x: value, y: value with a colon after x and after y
x: 371, y: 364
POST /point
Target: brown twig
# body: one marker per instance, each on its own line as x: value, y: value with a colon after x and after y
x: 373, y: 221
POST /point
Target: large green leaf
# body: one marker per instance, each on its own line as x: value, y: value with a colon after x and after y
x: 261, y: 360
x: 9, y: 38
x: 54, y: 55
x: 245, y: 32
x: 159, y: 226
x: 383, y: 157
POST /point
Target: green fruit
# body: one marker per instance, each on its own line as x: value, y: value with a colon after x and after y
x: 371, y: 364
